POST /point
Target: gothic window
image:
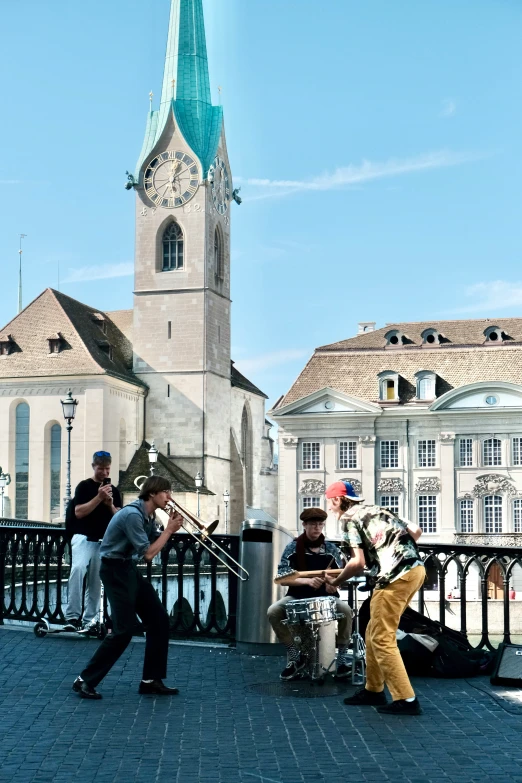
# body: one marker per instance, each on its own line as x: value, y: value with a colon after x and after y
x: 466, y: 452
x: 22, y: 417
x: 311, y: 455
x: 492, y: 452
x: 172, y: 248
x: 219, y: 261
x: 347, y: 454
x: 427, y: 513
x: 56, y: 469
x: 389, y: 453
x: 493, y: 514
x: 466, y: 516
x: 391, y: 502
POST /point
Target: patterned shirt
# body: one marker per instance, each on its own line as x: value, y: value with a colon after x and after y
x: 315, y: 561
x: 384, y: 539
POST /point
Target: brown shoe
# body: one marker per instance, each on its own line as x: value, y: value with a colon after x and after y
x: 156, y: 688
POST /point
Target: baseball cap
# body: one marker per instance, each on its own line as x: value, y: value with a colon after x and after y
x: 340, y: 489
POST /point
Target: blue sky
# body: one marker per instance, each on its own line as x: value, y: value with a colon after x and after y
x: 377, y: 145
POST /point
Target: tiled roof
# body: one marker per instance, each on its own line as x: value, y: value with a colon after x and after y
x: 84, y: 331
x: 352, y: 366
x: 140, y: 466
x: 239, y: 380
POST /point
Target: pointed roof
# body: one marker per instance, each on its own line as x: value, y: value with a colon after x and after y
x: 92, y: 343
x: 186, y: 88
x: 180, y: 481
x: 238, y: 379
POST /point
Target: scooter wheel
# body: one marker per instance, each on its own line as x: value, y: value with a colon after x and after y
x: 101, y: 632
x: 40, y: 629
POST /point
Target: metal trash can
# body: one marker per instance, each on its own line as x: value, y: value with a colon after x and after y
x: 260, y: 549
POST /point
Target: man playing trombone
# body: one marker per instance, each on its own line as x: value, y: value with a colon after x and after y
x: 131, y: 535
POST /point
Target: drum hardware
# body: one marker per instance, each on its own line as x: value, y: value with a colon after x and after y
x: 316, y: 617
x: 358, y: 646
x: 202, y: 533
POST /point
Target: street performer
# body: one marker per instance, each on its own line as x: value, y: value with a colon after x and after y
x: 310, y: 552
x: 131, y: 535
x: 378, y: 537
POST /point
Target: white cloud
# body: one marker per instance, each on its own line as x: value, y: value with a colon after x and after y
x: 86, y: 273
x: 492, y: 296
x: 449, y: 107
x: 268, y: 360
x: 367, y: 171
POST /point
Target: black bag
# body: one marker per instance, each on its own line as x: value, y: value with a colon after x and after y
x: 70, y: 519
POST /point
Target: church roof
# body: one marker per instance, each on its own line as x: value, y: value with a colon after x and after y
x: 186, y: 88
x: 462, y: 357
x: 91, y: 341
x: 140, y: 466
x: 239, y: 380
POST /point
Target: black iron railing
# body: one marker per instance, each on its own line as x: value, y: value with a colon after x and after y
x: 199, y: 593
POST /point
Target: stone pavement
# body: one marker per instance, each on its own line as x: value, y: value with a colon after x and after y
x: 218, y: 730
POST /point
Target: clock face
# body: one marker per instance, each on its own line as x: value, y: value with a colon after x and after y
x: 220, y: 185
x: 171, y: 179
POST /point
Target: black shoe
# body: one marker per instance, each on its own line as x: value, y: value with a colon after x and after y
x: 343, y: 671
x: 363, y: 697
x: 72, y: 625
x: 86, y: 691
x: 401, y: 707
x: 292, y: 669
x: 90, y: 630
x: 157, y: 688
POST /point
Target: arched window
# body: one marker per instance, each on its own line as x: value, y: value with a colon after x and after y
x: 219, y: 266
x: 246, y: 454
x: 172, y: 247
x: 56, y: 469
x: 492, y: 452
x: 425, y: 385
x: 22, y: 461
x: 388, y: 386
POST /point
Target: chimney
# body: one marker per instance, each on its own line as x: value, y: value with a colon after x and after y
x: 366, y: 326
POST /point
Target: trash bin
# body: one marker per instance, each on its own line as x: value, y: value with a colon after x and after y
x: 261, y: 546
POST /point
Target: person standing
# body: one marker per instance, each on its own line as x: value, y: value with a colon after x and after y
x: 94, y: 504
x: 132, y: 534
x: 379, y: 538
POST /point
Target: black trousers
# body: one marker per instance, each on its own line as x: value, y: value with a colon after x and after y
x: 129, y: 594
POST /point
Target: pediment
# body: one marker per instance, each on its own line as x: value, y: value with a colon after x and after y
x: 327, y: 402
x: 488, y: 395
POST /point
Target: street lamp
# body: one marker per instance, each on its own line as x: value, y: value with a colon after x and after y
x: 5, y: 480
x: 199, y: 483
x: 226, y: 501
x: 69, y: 412
x: 153, y: 457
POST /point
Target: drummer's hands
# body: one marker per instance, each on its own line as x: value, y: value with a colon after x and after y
x: 174, y: 523
x: 316, y: 582
x: 330, y: 589
x: 329, y: 580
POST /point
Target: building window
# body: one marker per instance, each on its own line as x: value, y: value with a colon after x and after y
x: 388, y: 386
x: 425, y: 385
x: 493, y: 514
x: 517, y: 516
x: 466, y: 516
x: 347, y: 454
x: 169, y: 330
x: 311, y: 502
x: 311, y: 456
x: 492, y: 452
x: 6, y: 344
x: 219, y: 266
x: 517, y: 451
x: 426, y: 453
x: 466, y: 452
x: 493, y: 334
x: 431, y: 337
x: 427, y: 513
x: 389, y: 453
x: 172, y: 248
x: 391, y: 502
x: 56, y: 469
x: 22, y: 460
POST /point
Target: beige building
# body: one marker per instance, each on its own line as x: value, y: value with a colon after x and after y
x: 423, y: 418
x: 162, y: 371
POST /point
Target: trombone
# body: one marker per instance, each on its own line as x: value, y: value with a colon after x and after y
x: 202, y: 533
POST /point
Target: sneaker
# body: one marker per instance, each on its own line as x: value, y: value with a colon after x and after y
x: 343, y: 670
x: 362, y: 698
x: 90, y: 630
x: 292, y: 668
x: 401, y: 707
x: 72, y: 625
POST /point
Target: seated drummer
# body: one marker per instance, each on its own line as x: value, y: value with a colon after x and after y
x: 310, y: 552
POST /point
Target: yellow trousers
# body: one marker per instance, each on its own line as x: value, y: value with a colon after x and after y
x: 383, y: 659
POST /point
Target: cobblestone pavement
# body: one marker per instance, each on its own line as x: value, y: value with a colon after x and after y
x: 220, y: 731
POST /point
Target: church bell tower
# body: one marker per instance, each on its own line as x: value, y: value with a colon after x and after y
x: 181, y: 332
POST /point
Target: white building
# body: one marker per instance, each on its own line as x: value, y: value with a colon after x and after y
x: 163, y: 370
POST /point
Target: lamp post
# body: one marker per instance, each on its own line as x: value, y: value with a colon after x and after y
x: 153, y: 457
x: 226, y: 501
x: 5, y: 480
x: 69, y: 412
x: 199, y: 483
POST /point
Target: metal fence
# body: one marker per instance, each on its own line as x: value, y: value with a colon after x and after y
x: 199, y: 594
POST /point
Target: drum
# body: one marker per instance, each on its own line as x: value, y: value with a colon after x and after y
x: 311, y: 611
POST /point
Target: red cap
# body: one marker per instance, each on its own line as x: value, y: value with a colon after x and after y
x: 340, y: 489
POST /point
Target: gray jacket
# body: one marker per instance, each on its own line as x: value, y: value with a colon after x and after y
x: 129, y: 534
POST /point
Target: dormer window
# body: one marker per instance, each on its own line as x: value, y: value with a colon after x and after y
x: 426, y: 382
x: 6, y: 344
x: 431, y: 337
x: 494, y: 334
x: 56, y: 342
x: 388, y: 386
x: 100, y: 321
x: 106, y: 347
x: 395, y: 339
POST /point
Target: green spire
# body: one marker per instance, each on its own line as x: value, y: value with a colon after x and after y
x: 186, y: 87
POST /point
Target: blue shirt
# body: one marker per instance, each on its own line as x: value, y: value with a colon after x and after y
x: 130, y: 533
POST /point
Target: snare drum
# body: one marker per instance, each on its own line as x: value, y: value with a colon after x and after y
x: 311, y: 611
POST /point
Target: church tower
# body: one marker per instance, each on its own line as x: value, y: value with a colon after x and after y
x: 181, y: 333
